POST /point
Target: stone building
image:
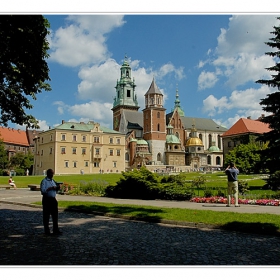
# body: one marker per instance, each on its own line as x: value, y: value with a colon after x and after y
x: 79, y: 148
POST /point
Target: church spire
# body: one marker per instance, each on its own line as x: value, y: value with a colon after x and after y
x: 177, y: 104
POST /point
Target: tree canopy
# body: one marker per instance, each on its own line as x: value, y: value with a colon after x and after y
x: 24, y: 71
x: 271, y: 104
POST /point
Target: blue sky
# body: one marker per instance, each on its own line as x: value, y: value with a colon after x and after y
x: 212, y: 59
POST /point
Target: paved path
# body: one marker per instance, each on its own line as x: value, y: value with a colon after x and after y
x: 97, y: 240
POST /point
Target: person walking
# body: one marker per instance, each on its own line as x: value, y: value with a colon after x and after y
x: 232, y: 177
x: 50, y: 206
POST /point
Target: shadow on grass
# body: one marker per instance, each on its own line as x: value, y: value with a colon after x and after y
x: 258, y: 228
x: 135, y: 213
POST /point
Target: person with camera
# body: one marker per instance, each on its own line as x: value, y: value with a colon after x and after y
x: 232, y: 176
x: 49, y: 189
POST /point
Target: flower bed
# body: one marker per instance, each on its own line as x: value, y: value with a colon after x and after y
x: 222, y: 200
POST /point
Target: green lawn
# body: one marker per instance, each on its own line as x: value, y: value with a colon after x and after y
x: 215, y: 180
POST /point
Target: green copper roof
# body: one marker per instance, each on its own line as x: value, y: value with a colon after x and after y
x: 172, y: 139
x: 87, y: 127
x: 142, y: 142
x: 214, y: 149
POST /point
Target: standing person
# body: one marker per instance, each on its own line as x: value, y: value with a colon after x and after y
x: 12, y: 183
x: 232, y: 177
x: 49, y: 202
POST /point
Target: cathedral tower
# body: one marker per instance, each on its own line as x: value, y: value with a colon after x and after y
x: 125, y: 98
x: 154, y: 124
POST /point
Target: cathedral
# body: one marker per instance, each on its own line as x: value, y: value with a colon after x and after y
x: 160, y: 140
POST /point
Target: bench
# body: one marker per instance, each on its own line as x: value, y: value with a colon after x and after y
x: 34, y: 187
x: 7, y: 187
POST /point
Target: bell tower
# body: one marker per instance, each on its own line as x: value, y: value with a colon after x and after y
x: 154, y: 123
x: 125, y: 98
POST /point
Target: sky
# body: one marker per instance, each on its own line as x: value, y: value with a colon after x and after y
x: 213, y: 60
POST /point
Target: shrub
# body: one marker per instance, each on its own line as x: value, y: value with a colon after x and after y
x: 274, y: 180
x: 242, y: 186
x: 94, y: 187
x: 135, y: 184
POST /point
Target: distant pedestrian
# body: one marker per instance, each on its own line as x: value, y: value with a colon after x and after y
x: 12, y: 183
x: 232, y: 178
x: 27, y: 172
x: 49, y: 202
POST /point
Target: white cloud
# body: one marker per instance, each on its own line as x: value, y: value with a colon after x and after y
x: 207, y: 80
x: 82, y: 41
x: 240, y: 53
x: 245, y: 101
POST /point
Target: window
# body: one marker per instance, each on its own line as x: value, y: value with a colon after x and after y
x: 111, y: 152
x: 218, y: 161
x: 127, y: 156
x: 128, y: 93
x: 83, y: 151
x: 84, y: 139
x: 66, y: 164
x: 42, y: 140
x: 229, y: 144
x: 208, y: 159
x: 50, y: 150
x: 97, y: 151
x: 74, y: 151
x: 74, y: 138
x: 158, y: 115
x: 118, y: 141
x: 158, y: 127
x: 111, y: 140
x: 158, y: 157
x: 75, y: 164
x: 86, y: 163
x: 118, y: 152
x: 42, y: 152
x: 96, y: 139
x: 63, y: 150
x: 63, y: 137
x: 51, y: 137
x: 96, y: 164
x: 115, y: 164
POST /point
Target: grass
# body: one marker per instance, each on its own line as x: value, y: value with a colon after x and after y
x: 243, y: 222
x: 215, y: 180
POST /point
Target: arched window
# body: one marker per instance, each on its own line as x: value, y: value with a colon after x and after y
x: 200, y: 136
x: 158, y: 115
x: 158, y: 127
x: 159, y: 157
x: 208, y: 159
x: 218, y: 161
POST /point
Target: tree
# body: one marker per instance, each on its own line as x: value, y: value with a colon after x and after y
x: 247, y: 157
x: 23, y: 68
x: 3, y: 156
x: 271, y: 104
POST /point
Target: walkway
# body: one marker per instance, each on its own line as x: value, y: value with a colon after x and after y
x: 97, y: 240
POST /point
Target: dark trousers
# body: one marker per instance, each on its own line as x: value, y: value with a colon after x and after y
x: 50, y: 207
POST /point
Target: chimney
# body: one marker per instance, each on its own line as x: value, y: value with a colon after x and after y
x: 249, y: 117
x: 63, y: 121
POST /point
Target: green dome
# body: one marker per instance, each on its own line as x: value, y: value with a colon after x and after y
x: 172, y: 139
x: 142, y: 142
x: 214, y: 149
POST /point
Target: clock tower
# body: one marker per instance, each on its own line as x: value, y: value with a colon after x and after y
x: 125, y: 98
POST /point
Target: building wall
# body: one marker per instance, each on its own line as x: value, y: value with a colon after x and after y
x: 75, y: 152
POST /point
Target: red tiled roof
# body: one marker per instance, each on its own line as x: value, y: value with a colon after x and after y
x: 243, y: 126
x: 14, y: 136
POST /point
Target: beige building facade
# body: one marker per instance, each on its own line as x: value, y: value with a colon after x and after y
x: 79, y: 148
